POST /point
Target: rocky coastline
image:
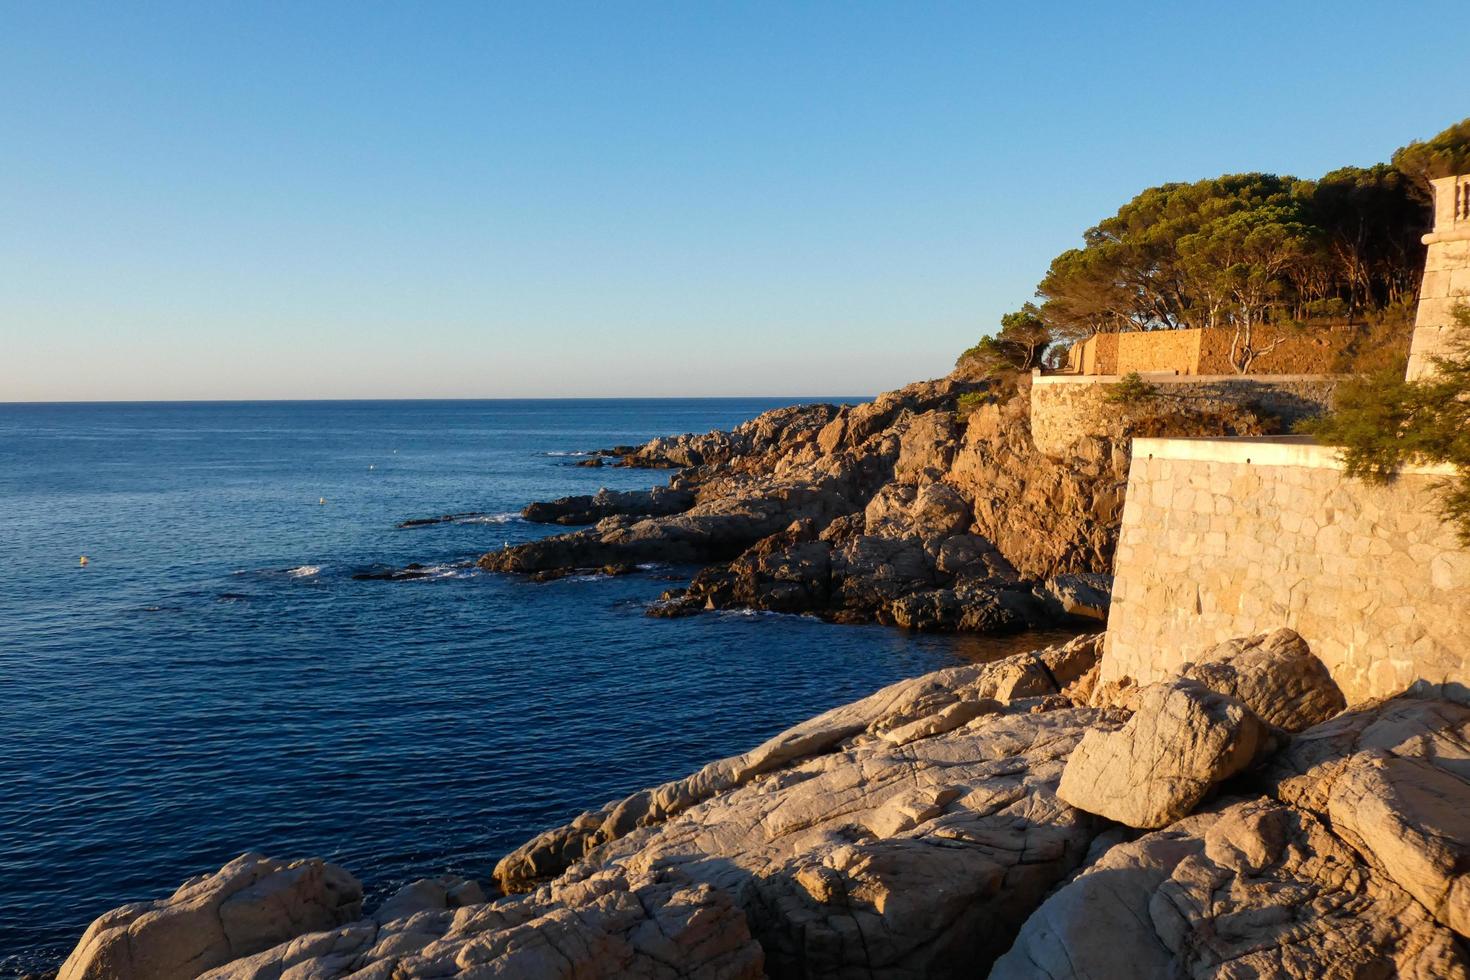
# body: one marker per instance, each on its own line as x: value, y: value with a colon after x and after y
x: 1009, y: 819
x: 928, y: 508
x: 1012, y: 819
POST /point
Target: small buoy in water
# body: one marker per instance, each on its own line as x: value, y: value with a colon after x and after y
x: 372, y: 466
x: 322, y: 500
x: 83, y: 562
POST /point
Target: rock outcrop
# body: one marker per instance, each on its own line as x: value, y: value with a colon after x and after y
x: 1352, y: 866
x: 1182, y: 740
x: 251, y: 904
x: 614, y: 924
x: 932, y: 829
x: 591, y: 508
x: 906, y: 510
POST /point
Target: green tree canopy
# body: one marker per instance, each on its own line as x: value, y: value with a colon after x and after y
x: 1381, y: 422
x: 1444, y: 155
x: 1018, y: 345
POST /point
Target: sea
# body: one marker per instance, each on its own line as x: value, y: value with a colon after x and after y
x: 214, y: 679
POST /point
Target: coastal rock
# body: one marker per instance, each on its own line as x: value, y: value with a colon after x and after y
x: 1080, y: 595
x: 249, y: 905
x: 591, y: 508
x: 886, y: 859
x: 714, y: 531
x: 1257, y: 889
x: 426, y: 894
x: 970, y: 608
x: 1183, y: 739
x: 1275, y: 674
x: 910, y: 513
x: 1353, y: 866
x: 657, y: 927
x: 1024, y: 675
x: 906, y: 834
x: 1393, y: 778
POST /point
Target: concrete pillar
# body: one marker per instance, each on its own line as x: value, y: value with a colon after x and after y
x: 1446, y: 273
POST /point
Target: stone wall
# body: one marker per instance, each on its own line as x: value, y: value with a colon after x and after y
x: 1168, y: 351
x: 1207, y: 352
x: 1064, y: 408
x: 1226, y: 538
x: 1314, y: 350
x: 1096, y: 355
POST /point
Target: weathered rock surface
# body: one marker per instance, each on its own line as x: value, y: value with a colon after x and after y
x: 907, y: 834
x: 1182, y: 740
x: 607, y: 925
x: 1030, y: 675
x: 1352, y: 867
x: 927, y: 830
x: 1259, y: 889
x: 249, y: 905
x: 897, y: 510
x: 591, y: 508
x: 1276, y: 675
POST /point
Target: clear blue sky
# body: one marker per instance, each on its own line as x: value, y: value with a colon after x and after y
x: 261, y: 200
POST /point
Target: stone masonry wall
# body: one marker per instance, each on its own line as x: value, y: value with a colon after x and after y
x: 1207, y: 352
x: 1226, y: 538
x: 1312, y: 351
x: 1065, y: 408
x: 1158, y: 350
x: 1098, y: 354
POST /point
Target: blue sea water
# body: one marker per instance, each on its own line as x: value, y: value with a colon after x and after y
x: 216, y: 681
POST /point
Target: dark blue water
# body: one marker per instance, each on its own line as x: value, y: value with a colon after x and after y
x: 215, y: 680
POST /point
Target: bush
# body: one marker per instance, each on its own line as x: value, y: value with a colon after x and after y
x: 1132, y: 390
x: 1381, y: 422
x: 969, y: 401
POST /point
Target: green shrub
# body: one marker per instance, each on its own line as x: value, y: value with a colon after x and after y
x: 1131, y: 390
x: 969, y: 401
x: 1381, y: 422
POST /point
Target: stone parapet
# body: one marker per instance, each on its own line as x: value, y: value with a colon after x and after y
x: 1066, y: 408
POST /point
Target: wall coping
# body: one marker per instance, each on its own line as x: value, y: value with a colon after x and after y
x: 1172, y: 378
x: 1301, y: 451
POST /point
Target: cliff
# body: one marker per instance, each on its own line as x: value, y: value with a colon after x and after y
x: 929, y: 507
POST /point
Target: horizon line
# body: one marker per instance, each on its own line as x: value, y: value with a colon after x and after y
x: 420, y: 398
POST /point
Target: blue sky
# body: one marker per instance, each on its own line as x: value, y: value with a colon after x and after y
x: 231, y: 200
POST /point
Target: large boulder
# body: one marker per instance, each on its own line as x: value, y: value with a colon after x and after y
x: 1080, y: 596
x: 250, y: 904
x: 1182, y: 740
x: 1258, y: 889
x: 1354, y: 866
x: 1275, y: 674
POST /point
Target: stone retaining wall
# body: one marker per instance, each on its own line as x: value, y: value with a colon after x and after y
x: 1313, y: 350
x: 1065, y: 408
x: 1231, y: 537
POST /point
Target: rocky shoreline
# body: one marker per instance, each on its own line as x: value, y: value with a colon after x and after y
x: 1013, y: 819
x: 1010, y: 819
x: 927, y: 508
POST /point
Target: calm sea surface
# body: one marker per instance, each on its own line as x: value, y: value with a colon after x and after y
x: 215, y: 680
